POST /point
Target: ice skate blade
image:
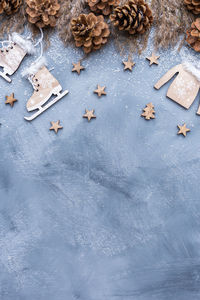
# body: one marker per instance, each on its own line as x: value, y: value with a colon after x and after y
x: 5, y: 77
x: 198, y: 112
x: 42, y: 109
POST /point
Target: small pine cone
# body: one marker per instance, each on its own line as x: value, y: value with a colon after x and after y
x: 193, y: 6
x: 135, y: 16
x: 42, y: 12
x: 9, y: 6
x: 89, y: 31
x: 102, y: 6
x: 193, y: 35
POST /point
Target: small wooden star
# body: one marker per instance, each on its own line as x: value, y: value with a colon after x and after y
x: 89, y: 114
x: 183, y: 129
x: 55, y: 126
x: 77, y: 67
x: 153, y: 59
x: 128, y: 65
x: 100, y: 90
x: 10, y: 100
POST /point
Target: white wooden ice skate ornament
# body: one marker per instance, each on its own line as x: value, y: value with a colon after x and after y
x: 45, y: 86
x: 12, y: 52
x: 185, y: 87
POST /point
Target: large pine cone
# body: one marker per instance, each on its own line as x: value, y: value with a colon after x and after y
x: 193, y: 35
x: 89, y: 31
x: 193, y: 6
x: 102, y: 6
x: 135, y: 16
x: 42, y: 12
x: 9, y: 6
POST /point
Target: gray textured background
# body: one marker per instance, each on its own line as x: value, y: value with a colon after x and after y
x: 106, y: 210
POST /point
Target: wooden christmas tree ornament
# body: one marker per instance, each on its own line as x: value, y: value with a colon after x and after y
x: 185, y: 86
x: 148, y: 112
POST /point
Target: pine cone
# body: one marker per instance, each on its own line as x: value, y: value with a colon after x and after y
x: 102, y: 6
x: 193, y: 35
x: 42, y: 12
x: 9, y: 6
x: 135, y: 16
x: 89, y: 31
x: 193, y: 6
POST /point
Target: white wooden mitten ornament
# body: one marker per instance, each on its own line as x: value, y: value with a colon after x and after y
x: 45, y: 86
x: 12, y: 53
x: 186, y: 85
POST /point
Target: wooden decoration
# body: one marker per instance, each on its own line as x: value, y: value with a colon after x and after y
x: 10, y: 59
x: 89, y: 114
x: 183, y: 89
x: 183, y: 129
x: 153, y: 59
x: 148, y: 112
x: 77, y: 67
x: 55, y: 126
x: 128, y: 65
x: 100, y: 90
x: 45, y: 85
x: 10, y: 100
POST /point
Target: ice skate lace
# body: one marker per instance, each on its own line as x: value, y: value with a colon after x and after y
x: 34, y: 82
x: 31, y: 78
x: 7, y: 45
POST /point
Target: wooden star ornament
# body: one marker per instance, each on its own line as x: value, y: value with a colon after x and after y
x: 153, y: 59
x: 183, y: 129
x: 128, y: 65
x: 77, y: 67
x: 55, y: 126
x: 100, y: 90
x: 10, y: 100
x: 89, y: 114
